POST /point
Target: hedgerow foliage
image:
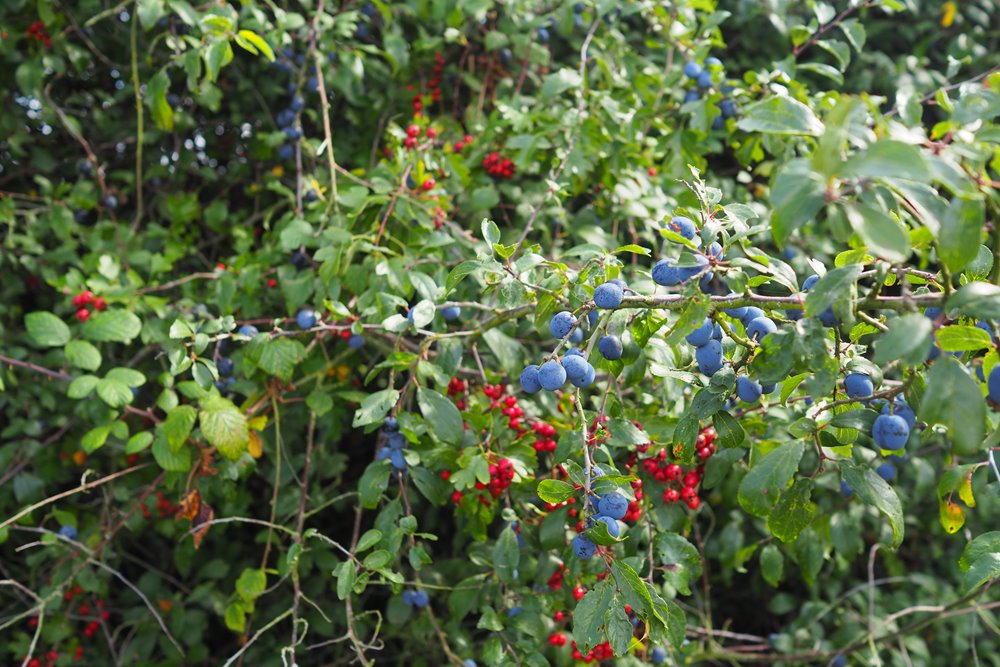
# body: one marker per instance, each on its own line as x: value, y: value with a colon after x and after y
x: 273, y: 273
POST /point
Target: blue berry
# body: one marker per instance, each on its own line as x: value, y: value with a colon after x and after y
x: 610, y: 347
x: 664, y: 273
x: 845, y: 489
x: 768, y: 388
x: 397, y: 459
x: 395, y: 440
x: 356, y: 341
x: 712, y: 61
x: 576, y: 367
x: 561, y: 324
x: 709, y: 357
x: 529, y: 380
x: 614, y: 505
x: 306, y: 318
x: 390, y: 424
x: 576, y: 335
x: 248, y: 330
x: 809, y: 282
x: 715, y: 251
x: 514, y: 611
x: 748, y: 390
x: 587, y: 379
x: 890, y: 432
x: 286, y: 151
x: 692, y: 96
x: 702, y: 334
x: 420, y: 599
x: 728, y: 110
x: 993, y: 384
x: 683, y: 226
x: 592, y: 318
x: 932, y: 313
x: 659, y: 656
x: 543, y: 35
x: 300, y: 260
x: 225, y: 366
x: 827, y: 318
x: 69, y: 532
x: 408, y: 597
x: 886, y: 471
x: 613, y: 529
x: 760, y: 327
x: 705, y: 80
x: 297, y: 103
x: 903, y: 409
x: 551, y: 375
x: 469, y: 662
x: 858, y: 385
x: 382, y: 454
x: 583, y: 547
x: 574, y: 352
x: 692, y: 69
x: 451, y: 313
x: 110, y: 202
x: 750, y: 314
x: 285, y: 118
x: 608, y: 295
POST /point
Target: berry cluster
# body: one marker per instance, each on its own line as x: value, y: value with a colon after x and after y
x: 416, y: 599
x: 609, y: 509
x: 462, y: 143
x: 395, y: 443
x: 501, y: 475
x: 435, y: 83
x: 511, y: 410
x: 412, y: 138
x: 555, y: 581
x: 165, y: 507
x: 498, y: 166
x: 705, y: 79
x: 682, y: 485
x: 37, y: 32
x: 544, y: 434
x: 226, y: 368
x: 599, y: 653
x: 84, y: 300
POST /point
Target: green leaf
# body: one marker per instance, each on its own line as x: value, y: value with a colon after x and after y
x: 618, y: 629
x: 112, y: 326
x: 680, y: 560
x: 373, y: 483
x: 888, y: 159
x: 506, y: 555
x: 46, y: 330
x: 156, y: 99
x: 875, y: 491
x: 953, y: 399
x: 624, y: 433
x: 81, y: 354
x: 150, y: 11
x: 834, y: 286
x: 279, y: 356
x: 258, y: 43
x: 960, y: 338
x: 978, y: 300
x: 236, y: 617
x: 218, y: 54
x: 442, y: 418
x: 82, y: 386
x: 375, y: 406
x: 251, y: 584
x: 224, y: 426
x: 731, y: 433
x: 138, y: 442
x: 633, y: 588
x: 983, y: 569
x: 772, y: 564
x: 883, y: 236
x: 794, y: 511
x: 114, y: 392
x: 780, y: 115
x: 371, y: 537
x: 559, y: 82
x: 798, y: 194
x: 981, y: 545
x: 377, y: 560
x: 554, y: 490
x: 908, y: 338
x: 763, y: 485
x: 170, y: 460
x: 961, y: 232
x: 178, y: 424
x: 588, y: 617
x: 95, y: 438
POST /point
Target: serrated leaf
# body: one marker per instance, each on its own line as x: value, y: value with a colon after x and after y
x: 780, y: 115
x: 258, y: 42
x: 953, y: 399
x: 961, y: 231
x: 114, y: 392
x: 730, y: 433
x: 82, y: 386
x: 961, y: 338
x: 772, y: 564
x: 375, y: 407
x: 95, y: 438
x: 251, y: 583
x: 554, y: 490
x: 170, y: 460
x: 835, y: 285
x: 908, y: 339
x: 224, y: 426
x: 506, y: 555
x: 373, y: 483
x: 112, y: 326
x: 761, y: 488
x: 883, y: 236
x: 279, y: 357
x: 588, y: 617
x: 178, y: 424
x: 680, y: 560
x: 983, y: 569
x: 978, y: 300
x: 794, y: 511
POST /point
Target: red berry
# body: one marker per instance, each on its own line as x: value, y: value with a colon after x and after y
x: 689, y: 492
x: 100, y: 303
x: 431, y: 132
x: 628, y: 609
x: 68, y: 595
x: 579, y: 592
x: 456, y: 497
x: 672, y: 471
x: 428, y: 184
x: 467, y: 138
x: 445, y: 474
x: 272, y: 282
x: 694, y: 503
x: 413, y: 131
x: 652, y: 171
x: 83, y: 314
x: 559, y: 616
x: 670, y: 496
x: 411, y: 142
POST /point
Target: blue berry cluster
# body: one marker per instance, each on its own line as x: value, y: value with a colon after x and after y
x: 395, y: 443
x: 610, y: 508
x: 416, y: 599
x: 705, y: 78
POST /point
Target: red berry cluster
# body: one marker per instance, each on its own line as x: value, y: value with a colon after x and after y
x: 456, y: 387
x: 498, y: 166
x: 557, y: 639
x: 412, y: 138
x: 37, y: 32
x: 462, y: 143
x: 676, y: 477
x: 598, y: 653
x: 544, y: 437
x: 501, y: 475
x: 511, y: 410
x: 556, y: 580
x: 84, y: 299
x: 435, y: 82
x: 166, y: 508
